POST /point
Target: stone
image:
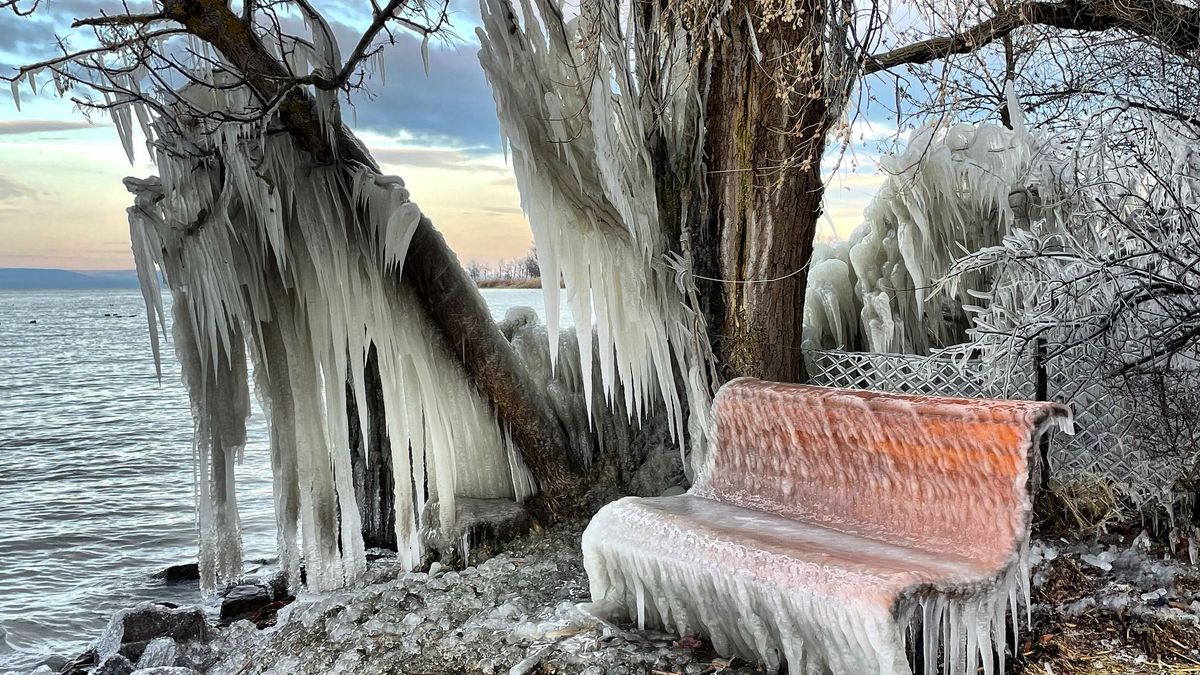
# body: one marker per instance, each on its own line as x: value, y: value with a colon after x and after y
x: 179, y: 573
x: 244, y: 601
x: 131, y: 630
x: 114, y: 665
x: 478, y: 523
x: 54, y: 662
x: 159, y: 652
x: 80, y: 665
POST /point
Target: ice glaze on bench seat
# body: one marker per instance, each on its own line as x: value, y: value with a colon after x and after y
x: 827, y: 521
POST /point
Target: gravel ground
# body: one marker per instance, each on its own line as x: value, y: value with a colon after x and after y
x: 1119, y: 604
x: 515, y: 612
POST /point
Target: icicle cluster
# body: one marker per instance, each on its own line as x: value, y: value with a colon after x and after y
x: 594, y: 428
x: 576, y: 121
x: 953, y: 191
x: 297, y: 268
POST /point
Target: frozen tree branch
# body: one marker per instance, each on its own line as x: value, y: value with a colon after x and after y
x: 118, y: 20
x: 446, y: 294
x: 1173, y: 26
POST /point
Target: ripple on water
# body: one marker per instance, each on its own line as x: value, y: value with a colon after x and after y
x: 95, y: 471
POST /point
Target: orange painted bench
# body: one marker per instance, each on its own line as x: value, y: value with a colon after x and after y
x: 836, y: 531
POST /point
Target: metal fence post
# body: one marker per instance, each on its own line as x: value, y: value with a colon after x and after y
x: 1042, y: 393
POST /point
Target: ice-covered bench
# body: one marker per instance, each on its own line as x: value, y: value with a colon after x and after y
x: 829, y: 528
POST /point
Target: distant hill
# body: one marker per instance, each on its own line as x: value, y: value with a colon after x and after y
x: 18, y: 278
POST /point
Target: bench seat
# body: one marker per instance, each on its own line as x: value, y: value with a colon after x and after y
x: 788, y: 550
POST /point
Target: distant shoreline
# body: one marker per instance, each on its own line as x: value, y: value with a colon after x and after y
x: 38, y: 279
x: 532, y: 282
x: 35, y: 279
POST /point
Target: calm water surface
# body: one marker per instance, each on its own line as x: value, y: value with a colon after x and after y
x: 96, y: 468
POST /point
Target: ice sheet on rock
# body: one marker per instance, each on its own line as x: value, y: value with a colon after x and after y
x: 830, y: 529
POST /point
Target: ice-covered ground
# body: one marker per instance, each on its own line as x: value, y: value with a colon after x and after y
x: 1116, y: 604
x: 1112, y: 605
x: 516, y: 613
x: 513, y: 613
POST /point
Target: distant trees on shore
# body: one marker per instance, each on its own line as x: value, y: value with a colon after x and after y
x: 523, y: 272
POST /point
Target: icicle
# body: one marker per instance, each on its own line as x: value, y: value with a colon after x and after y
x: 425, y: 53
x: 587, y: 187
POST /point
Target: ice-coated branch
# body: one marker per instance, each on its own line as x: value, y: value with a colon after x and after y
x: 1173, y: 26
x: 118, y: 20
x: 232, y: 187
x: 81, y: 55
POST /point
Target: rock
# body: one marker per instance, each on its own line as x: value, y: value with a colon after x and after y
x: 177, y: 573
x: 114, y: 665
x: 477, y: 523
x: 159, y: 652
x: 131, y: 630
x: 165, y: 670
x: 244, y: 601
x: 198, y: 656
x: 80, y: 665
x: 674, y: 490
x: 55, y: 662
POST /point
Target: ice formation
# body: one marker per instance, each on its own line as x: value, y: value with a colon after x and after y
x: 594, y: 427
x: 832, y: 530
x: 952, y: 191
x: 296, y: 270
x: 253, y: 262
x: 576, y: 120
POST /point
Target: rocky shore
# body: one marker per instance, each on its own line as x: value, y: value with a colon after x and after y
x: 1101, y: 606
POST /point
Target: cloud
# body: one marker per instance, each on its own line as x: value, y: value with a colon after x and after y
x: 452, y: 159
x: 451, y: 105
x: 11, y: 190
x: 22, y: 126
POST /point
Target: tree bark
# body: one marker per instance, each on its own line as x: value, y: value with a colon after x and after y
x: 371, y: 461
x: 764, y: 162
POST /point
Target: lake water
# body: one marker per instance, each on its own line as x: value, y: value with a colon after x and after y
x: 96, y: 468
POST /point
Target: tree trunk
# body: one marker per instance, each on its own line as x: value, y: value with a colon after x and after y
x: 764, y: 162
x: 454, y: 304
x: 371, y: 461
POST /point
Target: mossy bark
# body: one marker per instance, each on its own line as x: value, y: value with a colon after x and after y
x: 767, y: 119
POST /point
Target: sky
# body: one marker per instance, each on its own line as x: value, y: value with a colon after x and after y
x: 62, y: 204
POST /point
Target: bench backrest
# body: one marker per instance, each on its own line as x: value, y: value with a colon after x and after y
x: 940, y: 474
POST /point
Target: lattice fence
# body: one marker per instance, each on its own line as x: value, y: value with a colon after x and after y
x: 1099, y: 447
